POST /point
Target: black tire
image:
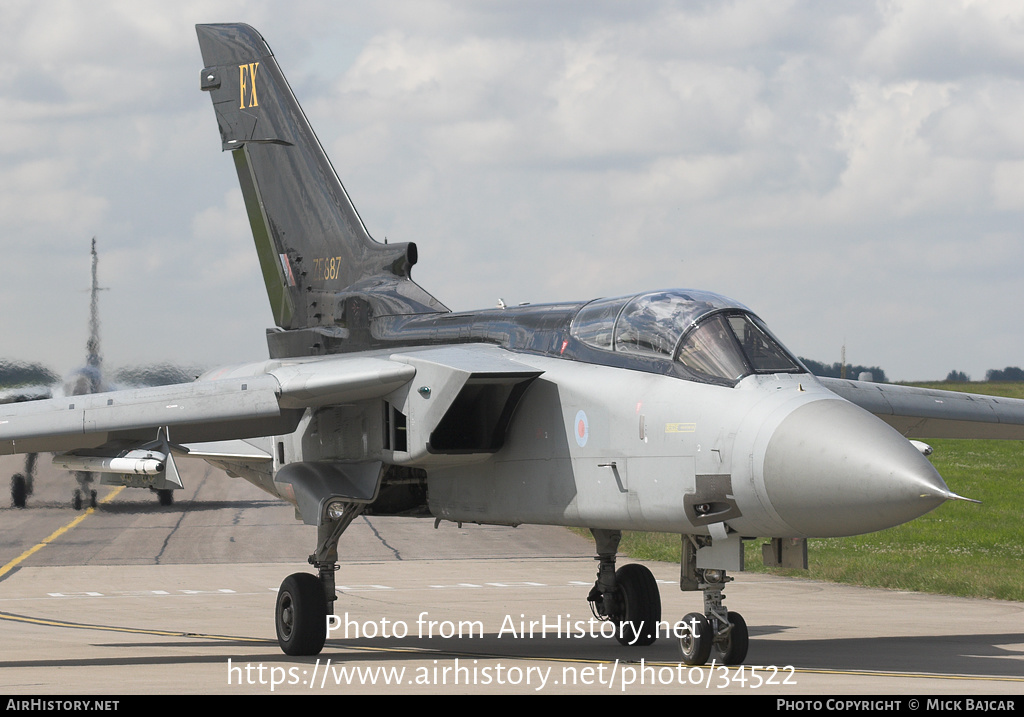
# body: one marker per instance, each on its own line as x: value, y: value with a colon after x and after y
x: 76, y: 500
x: 30, y: 472
x: 733, y: 649
x: 19, y: 490
x: 165, y: 496
x: 92, y: 499
x: 301, y: 615
x: 696, y: 639
x: 640, y: 603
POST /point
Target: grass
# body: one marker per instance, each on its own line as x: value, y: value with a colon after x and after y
x: 958, y: 549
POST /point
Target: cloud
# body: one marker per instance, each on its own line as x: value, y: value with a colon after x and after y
x: 839, y: 167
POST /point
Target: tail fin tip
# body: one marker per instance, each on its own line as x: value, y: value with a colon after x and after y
x: 310, y: 240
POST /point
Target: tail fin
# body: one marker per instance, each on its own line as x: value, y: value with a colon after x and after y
x: 311, y: 242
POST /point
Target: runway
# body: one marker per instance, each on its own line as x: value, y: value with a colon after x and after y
x: 134, y: 598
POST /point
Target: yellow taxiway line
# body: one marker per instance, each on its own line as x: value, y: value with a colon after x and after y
x: 56, y: 534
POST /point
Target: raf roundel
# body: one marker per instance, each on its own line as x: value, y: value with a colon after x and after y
x: 581, y: 429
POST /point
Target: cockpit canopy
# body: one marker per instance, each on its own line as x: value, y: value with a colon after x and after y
x: 713, y: 337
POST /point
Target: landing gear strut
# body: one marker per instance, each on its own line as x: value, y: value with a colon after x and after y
x: 717, y: 634
x: 628, y: 596
x: 304, y: 600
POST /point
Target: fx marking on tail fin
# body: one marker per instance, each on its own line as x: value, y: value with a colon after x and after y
x: 247, y: 84
x: 315, y: 252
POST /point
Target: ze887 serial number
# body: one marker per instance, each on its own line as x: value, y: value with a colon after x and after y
x: 326, y: 268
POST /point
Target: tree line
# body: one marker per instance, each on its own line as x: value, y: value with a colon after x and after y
x: 22, y: 373
x: 1010, y: 373
x: 835, y: 370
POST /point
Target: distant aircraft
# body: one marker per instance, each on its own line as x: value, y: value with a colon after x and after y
x: 673, y: 410
x: 84, y: 380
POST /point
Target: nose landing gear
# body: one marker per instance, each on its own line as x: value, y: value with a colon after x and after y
x: 717, y: 634
x: 720, y: 636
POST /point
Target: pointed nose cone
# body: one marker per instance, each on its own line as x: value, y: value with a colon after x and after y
x: 833, y: 469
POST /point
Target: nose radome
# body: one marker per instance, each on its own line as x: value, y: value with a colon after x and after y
x: 833, y: 469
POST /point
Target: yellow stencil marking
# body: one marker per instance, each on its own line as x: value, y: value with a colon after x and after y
x: 680, y: 427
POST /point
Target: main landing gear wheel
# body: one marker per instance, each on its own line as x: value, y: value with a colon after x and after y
x: 19, y: 490
x: 165, y: 496
x: 85, y: 494
x: 301, y: 615
x: 730, y: 647
x: 696, y: 639
x: 640, y: 605
x: 78, y: 500
x: 627, y: 597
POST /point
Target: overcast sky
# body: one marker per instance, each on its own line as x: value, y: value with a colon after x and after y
x: 852, y: 171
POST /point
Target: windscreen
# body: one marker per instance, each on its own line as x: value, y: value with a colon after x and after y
x: 729, y: 346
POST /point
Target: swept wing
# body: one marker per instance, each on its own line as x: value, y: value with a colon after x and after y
x: 252, y: 400
x: 932, y: 413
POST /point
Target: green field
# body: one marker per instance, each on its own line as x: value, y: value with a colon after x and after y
x: 958, y: 549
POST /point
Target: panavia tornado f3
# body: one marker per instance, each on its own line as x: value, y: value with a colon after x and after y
x: 674, y: 410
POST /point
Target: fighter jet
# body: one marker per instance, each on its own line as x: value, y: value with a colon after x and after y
x: 673, y: 410
x: 87, y: 379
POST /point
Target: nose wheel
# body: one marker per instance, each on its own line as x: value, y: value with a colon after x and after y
x: 695, y: 639
x: 701, y: 640
x: 731, y: 641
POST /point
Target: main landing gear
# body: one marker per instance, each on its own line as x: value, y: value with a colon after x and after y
x: 19, y: 490
x: 304, y: 601
x: 21, y: 483
x: 628, y: 596
x: 85, y: 495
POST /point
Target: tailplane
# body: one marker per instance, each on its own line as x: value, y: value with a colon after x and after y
x: 314, y: 251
